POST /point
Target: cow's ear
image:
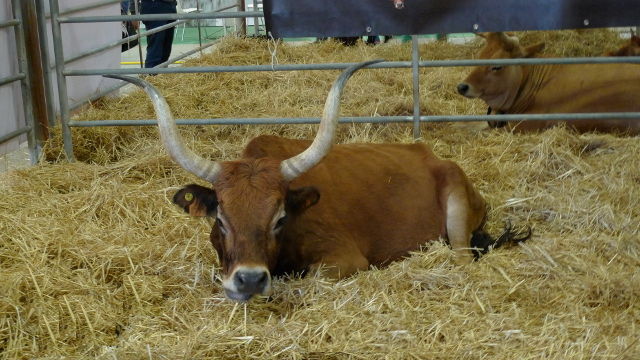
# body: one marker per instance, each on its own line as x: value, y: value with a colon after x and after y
x: 197, y: 200
x: 301, y: 199
x: 533, y: 50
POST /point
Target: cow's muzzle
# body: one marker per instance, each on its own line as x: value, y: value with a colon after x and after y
x: 246, y: 282
x: 399, y: 4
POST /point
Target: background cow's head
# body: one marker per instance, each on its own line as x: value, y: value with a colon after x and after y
x: 632, y: 48
x: 250, y: 199
x: 497, y: 85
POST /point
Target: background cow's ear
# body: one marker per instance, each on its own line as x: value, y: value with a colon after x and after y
x: 301, y: 199
x: 197, y: 200
x: 533, y: 50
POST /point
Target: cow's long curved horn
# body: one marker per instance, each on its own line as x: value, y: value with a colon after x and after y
x: 205, y: 169
x: 297, y: 165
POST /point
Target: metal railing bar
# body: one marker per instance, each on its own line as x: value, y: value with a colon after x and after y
x: 12, y: 22
x: 366, y: 119
x: 120, y: 42
x: 85, y: 7
x: 107, y: 91
x: 33, y: 136
x: 239, y: 121
x: 415, y: 74
x: 186, y: 54
x: 12, y: 78
x: 225, y: 8
x: 43, y: 38
x: 128, y: 39
x: 14, y: 134
x: 342, y: 66
x: 152, y: 17
x: 63, y: 96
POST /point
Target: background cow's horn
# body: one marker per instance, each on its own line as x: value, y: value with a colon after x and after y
x: 206, y: 169
x: 297, y: 165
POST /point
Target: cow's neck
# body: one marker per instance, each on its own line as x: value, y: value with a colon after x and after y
x: 296, y: 253
x: 533, y: 78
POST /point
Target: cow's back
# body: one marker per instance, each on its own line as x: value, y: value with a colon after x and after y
x: 584, y: 88
x: 385, y: 197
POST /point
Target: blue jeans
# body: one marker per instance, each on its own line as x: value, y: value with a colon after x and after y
x: 159, y: 44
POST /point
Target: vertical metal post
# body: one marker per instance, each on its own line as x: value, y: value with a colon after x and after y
x: 62, y: 80
x: 241, y: 29
x: 25, y: 84
x: 415, y: 59
x: 199, y: 27
x: 255, y: 19
x: 137, y: 10
x: 46, y: 65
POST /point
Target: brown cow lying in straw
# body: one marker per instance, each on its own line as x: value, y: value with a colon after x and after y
x: 293, y: 205
x: 543, y: 89
x: 631, y: 48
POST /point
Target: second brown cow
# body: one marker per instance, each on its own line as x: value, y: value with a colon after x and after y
x: 544, y: 89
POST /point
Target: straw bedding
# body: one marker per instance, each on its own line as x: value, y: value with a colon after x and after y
x: 97, y: 262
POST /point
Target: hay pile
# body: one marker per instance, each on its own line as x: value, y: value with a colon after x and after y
x: 97, y: 262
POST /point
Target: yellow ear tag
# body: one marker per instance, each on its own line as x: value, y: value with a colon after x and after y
x: 188, y: 196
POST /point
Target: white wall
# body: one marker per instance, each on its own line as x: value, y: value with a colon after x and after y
x: 77, y: 38
x: 11, y: 114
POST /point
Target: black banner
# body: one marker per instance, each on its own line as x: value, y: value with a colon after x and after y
x: 323, y: 18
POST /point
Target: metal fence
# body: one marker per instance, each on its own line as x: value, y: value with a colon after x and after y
x: 31, y: 127
x: 58, y: 19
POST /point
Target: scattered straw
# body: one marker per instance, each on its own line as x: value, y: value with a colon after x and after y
x: 97, y: 262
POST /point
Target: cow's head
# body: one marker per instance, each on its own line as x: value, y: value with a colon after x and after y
x: 497, y: 85
x: 399, y: 4
x: 250, y: 199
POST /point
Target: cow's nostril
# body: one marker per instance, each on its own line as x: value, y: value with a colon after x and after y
x: 251, y: 280
x: 463, y: 88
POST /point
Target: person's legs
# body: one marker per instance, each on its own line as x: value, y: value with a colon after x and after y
x: 159, y: 44
x: 155, y: 44
x: 168, y: 43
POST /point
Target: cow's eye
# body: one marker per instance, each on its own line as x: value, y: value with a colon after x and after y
x: 280, y: 223
x: 220, y: 225
x: 496, y: 68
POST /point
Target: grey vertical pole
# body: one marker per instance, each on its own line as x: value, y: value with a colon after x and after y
x: 255, y: 19
x: 415, y: 59
x: 25, y: 84
x: 62, y: 80
x: 44, y: 50
x: 137, y: 10
x: 199, y: 27
x: 241, y: 29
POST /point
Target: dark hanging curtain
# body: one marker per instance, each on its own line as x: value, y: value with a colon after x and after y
x: 323, y: 18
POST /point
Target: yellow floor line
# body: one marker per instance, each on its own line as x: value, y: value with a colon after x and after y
x: 138, y: 62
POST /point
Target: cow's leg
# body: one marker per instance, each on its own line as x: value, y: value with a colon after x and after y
x: 465, y: 212
x: 342, y: 263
